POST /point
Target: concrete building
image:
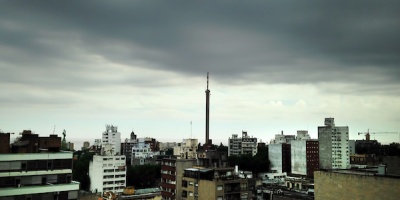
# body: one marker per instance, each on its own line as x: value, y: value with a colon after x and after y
x: 113, y: 137
x: 212, y: 158
x: 279, y: 156
x: 282, y: 139
x: 167, y: 145
x: 127, y: 146
x: 215, y: 183
x: 347, y: 184
x: 142, y: 154
x: 244, y: 145
x: 171, y: 176
x: 37, y: 173
x: 303, y: 135
x: 333, y: 146
x: 304, y: 157
x: 32, y: 143
x: 187, y: 149
x: 107, y: 173
x: 352, y: 147
x: 4, y: 142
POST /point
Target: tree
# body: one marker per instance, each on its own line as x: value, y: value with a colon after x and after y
x: 256, y: 164
x: 143, y: 176
x: 80, y: 170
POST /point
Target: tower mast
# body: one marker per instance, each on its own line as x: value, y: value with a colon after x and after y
x: 207, y: 113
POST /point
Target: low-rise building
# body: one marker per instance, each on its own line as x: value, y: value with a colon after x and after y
x: 171, y: 176
x: 242, y: 145
x: 187, y: 149
x: 216, y: 183
x: 38, y: 172
x: 350, y: 184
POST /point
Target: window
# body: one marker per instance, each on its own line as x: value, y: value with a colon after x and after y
x: 184, y: 193
x: 219, y: 187
x: 184, y: 183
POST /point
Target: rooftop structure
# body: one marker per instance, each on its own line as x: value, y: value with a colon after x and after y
x: 242, y: 145
x: 28, y: 174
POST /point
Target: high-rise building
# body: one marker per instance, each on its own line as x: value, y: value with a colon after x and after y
x: 36, y: 169
x: 113, y: 137
x: 304, y: 157
x: 279, y: 156
x: 107, y: 173
x: 243, y: 145
x: 333, y: 146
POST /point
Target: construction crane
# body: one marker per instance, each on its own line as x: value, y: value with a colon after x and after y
x: 367, y: 134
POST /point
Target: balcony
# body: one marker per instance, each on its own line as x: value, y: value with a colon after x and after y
x: 37, y: 189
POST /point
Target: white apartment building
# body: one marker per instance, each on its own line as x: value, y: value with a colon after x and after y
x: 37, y: 176
x: 107, y: 173
x: 113, y: 137
x: 333, y: 146
x: 187, y: 149
x: 243, y: 145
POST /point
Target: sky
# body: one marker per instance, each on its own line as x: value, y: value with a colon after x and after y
x: 142, y: 66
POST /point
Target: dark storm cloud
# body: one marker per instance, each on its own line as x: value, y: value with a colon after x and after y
x: 239, y: 42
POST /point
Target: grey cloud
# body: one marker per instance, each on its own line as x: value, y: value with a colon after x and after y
x: 238, y: 42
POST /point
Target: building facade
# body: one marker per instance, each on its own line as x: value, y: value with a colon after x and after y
x: 215, y: 183
x: 171, y: 175
x: 304, y: 157
x: 333, y: 146
x: 36, y: 172
x: 107, y: 173
x: 346, y: 184
x: 113, y: 137
x: 187, y: 149
x: 282, y: 139
x: 280, y: 157
x: 244, y: 145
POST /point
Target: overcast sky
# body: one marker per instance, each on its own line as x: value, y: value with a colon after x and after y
x: 142, y: 66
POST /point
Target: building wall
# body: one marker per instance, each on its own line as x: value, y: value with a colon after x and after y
x: 107, y: 173
x: 4, y: 142
x: 329, y: 185
x: 275, y: 157
x: 312, y: 154
x: 37, y: 176
x: 113, y: 137
x: 299, y: 157
x: 333, y: 146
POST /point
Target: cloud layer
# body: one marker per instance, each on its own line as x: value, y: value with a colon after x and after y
x: 152, y: 57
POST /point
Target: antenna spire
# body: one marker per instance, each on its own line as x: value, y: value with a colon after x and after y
x: 207, y: 80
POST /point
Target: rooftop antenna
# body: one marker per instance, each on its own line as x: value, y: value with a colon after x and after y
x: 54, y: 129
x: 207, y: 80
x: 191, y: 135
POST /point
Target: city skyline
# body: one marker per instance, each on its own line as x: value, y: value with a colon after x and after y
x: 142, y: 66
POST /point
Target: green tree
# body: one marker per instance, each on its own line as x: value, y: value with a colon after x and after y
x: 256, y: 164
x: 80, y: 171
x: 143, y: 176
